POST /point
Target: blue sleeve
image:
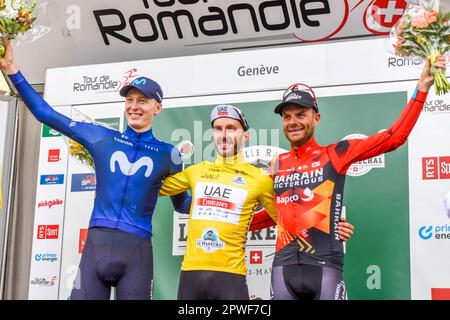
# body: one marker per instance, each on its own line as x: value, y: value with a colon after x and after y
x: 182, y: 201
x: 85, y: 133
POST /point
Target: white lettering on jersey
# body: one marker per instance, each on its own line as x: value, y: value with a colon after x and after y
x: 218, y: 202
x: 130, y: 169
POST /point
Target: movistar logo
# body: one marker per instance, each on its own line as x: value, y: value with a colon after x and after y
x: 426, y: 233
x: 130, y: 169
x: 139, y: 82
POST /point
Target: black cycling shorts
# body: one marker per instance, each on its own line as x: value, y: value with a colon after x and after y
x: 307, y: 282
x: 212, y: 285
x: 114, y: 258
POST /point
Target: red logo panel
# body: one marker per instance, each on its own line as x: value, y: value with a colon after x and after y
x: 256, y: 257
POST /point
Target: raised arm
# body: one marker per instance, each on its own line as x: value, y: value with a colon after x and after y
x: 84, y: 133
x: 346, y: 152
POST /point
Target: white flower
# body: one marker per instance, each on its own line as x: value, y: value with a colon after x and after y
x: 11, y: 10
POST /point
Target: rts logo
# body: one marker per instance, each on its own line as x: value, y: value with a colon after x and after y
x: 435, y: 168
x: 426, y: 232
x: 48, y: 232
x: 381, y: 15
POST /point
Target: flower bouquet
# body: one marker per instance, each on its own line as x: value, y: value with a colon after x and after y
x: 77, y: 150
x: 424, y: 31
x: 17, y: 18
x: 80, y: 153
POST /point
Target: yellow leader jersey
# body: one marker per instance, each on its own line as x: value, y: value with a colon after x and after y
x: 225, y: 195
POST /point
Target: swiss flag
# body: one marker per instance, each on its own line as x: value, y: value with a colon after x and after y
x: 256, y: 257
x: 387, y: 12
x: 382, y: 15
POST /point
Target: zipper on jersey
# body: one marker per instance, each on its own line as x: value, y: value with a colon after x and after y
x: 127, y: 179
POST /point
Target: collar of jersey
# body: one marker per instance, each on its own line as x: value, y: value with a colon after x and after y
x: 143, y: 136
x: 237, y: 158
x: 305, y: 149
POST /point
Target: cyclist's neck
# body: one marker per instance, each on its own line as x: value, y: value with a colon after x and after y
x: 304, y: 149
x: 302, y: 144
x: 141, y: 130
x: 234, y: 159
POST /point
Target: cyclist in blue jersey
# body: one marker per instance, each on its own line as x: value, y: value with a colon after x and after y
x: 129, y: 168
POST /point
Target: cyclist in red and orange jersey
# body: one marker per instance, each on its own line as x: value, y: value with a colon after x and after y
x: 309, y: 186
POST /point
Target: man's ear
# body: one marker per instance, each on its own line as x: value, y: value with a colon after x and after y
x: 316, y: 119
x: 158, y: 109
x: 246, y: 137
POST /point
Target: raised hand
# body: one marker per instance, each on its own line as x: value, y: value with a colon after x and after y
x: 7, y: 64
x: 426, y: 79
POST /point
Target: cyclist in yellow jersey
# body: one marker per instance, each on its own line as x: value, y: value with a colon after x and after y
x: 225, y: 194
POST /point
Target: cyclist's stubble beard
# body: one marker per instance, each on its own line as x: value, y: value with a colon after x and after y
x: 297, y: 141
x: 230, y: 145
x: 299, y: 131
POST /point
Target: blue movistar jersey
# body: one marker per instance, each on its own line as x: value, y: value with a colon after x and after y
x: 129, y: 166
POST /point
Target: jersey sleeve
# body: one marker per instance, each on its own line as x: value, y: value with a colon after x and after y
x: 176, y: 183
x: 266, y: 218
x: 262, y: 220
x: 346, y: 152
x: 266, y: 196
x: 180, y: 201
x: 85, y: 133
x: 176, y: 164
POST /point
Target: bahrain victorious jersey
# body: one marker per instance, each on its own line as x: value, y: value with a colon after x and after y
x: 308, y: 191
x: 225, y: 195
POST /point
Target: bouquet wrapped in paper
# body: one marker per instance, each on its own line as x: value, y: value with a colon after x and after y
x: 17, y: 22
x: 424, y: 31
x: 78, y: 151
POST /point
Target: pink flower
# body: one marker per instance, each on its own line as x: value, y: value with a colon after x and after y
x: 400, y: 42
x: 401, y: 27
x: 419, y: 22
x: 431, y: 16
x: 423, y: 19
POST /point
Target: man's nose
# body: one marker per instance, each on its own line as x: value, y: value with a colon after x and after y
x: 223, y: 134
x: 132, y: 104
x: 291, y: 122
